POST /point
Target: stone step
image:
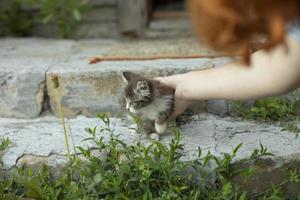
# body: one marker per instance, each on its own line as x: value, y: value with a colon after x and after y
x: 89, y: 89
x: 44, y: 137
x: 26, y: 66
x: 41, y: 141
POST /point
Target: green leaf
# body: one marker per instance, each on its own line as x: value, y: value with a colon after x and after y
x: 98, y: 178
x: 243, y: 196
x: 199, y: 152
x: 48, y: 19
x: 237, y: 148
x: 4, y: 143
x: 77, y: 15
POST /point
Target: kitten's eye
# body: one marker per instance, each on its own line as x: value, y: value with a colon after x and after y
x: 136, y: 104
x: 142, y: 85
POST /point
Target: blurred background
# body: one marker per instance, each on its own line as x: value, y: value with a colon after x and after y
x: 93, y: 18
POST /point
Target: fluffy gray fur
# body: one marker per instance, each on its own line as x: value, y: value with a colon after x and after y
x: 149, y: 99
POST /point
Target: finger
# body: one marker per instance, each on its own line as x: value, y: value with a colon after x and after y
x: 158, y: 78
x: 170, y: 81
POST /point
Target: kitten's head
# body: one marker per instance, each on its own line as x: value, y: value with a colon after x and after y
x: 138, y: 92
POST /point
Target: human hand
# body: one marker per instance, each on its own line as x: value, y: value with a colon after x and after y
x: 175, y: 82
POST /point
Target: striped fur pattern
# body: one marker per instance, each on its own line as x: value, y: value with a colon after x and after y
x: 149, y: 99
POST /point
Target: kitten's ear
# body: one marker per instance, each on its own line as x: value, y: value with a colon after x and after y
x: 127, y: 76
x: 142, y: 85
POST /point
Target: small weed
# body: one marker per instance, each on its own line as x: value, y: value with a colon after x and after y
x: 291, y: 126
x: 281, y: 110
x: 55, y: 82
x: 4, y: 143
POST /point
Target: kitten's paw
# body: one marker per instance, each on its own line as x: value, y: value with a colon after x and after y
x: 160, y: 128
x: 154, y: 136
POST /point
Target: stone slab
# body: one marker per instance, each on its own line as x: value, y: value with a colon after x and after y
x: 217, y: 107
x: 171, y: 24
x: 89, y: 89
x: 161, y: 47
x: 86, y: 48
x: 89, y: 29
x: 22, y: 86
x: 23, y: 66
x: 42, y: 140
x: 102, y: 14
x: 19, y: 48
x: 103, y: 2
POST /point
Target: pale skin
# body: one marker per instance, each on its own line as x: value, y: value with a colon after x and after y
x: 270, y: 73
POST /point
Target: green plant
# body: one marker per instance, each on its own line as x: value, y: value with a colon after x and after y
x: 278, y: 109
x: 5, y: 142
x: 138, y: 171
x: 64, y: 14
x: 55, y: 82
x: 14, y: 21
x: 7, y: 190
x: 270, y: 109
x: 291, y: 126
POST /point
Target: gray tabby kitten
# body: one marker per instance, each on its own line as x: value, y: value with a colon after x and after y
x: 151, y: 100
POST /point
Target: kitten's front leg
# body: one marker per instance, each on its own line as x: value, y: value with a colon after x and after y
x: 161, y: 128
x: 161, y: 123
x: 148, y: 127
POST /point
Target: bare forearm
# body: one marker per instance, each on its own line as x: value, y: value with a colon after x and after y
x: 270, y: 73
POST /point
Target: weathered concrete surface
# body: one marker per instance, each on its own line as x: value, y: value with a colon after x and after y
x: 161, y: 47
x: 54, y: 49
x: 22, y: 86
x: 218, y: 107
x: 42, y: 140
x: 24, y: 63
x: 86, y: 89
x: 89, y: 89
x: 35, y: 48
x: 23, y: 67
x: 167, y: 28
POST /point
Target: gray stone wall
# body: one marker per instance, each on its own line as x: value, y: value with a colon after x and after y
x: 100, y: 21
x: 112, y: 19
